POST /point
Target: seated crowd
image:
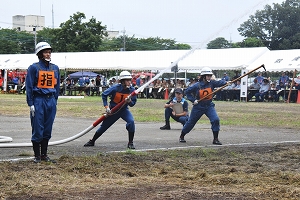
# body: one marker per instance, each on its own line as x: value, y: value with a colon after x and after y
x: 262, y: 89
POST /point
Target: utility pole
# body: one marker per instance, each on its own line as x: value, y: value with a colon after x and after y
x: 52, y: 17
x: 124, y: 40
x: 34, y: 30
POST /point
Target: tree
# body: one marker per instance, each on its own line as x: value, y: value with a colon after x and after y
x: 141, y: 44
x: 75, y: 35
x: 9, y: 47
x: 248, y: 42
x: 13, y: 41
x: 218, y: 43
x: 277, y: 27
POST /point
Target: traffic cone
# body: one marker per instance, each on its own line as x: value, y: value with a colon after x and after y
x: 166, y: 94
x: 298, y: 97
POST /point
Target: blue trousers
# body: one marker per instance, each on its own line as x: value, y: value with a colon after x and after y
x: 42, y: 122
x: 181, y: 119
x: 125, y: 114
x: 197, y: 112
x: 259, y: 97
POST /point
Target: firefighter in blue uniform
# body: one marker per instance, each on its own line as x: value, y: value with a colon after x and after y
x: 170, y: 111
x: 42, y: 89
x: 206, y: 106
x: 117, y: 93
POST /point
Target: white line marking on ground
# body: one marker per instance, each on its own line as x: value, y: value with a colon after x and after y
x: 173, y: 148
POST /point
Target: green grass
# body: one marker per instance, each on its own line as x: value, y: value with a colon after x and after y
x: 267, y: 114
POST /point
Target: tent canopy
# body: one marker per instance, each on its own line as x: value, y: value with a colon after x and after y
x: 279, y: 60
x: 188, y: 61
x: 83, y: 74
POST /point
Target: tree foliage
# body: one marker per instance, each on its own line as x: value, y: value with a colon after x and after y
x: 278, y: 27
x: 218, y: 43
x: 13, y: 41
x: 248, y: 42
x: 140, y: 44
x: 75, y: 35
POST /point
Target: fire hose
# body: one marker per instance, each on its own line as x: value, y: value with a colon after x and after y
x: 98, y: 121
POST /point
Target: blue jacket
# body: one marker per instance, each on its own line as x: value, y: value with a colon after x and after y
x: 117, y: 93
x: 32, y: 81
x: 200, y: 89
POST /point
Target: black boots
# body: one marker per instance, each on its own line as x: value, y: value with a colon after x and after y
x: 166, y: 127
x: 37, y: 152
x: 90, y: 143
x: 216, y: 140
x: 130, y: 145
x: 130, y: 139
x: 40, y: 151
x: 181, y: 138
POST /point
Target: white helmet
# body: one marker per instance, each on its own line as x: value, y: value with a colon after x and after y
x: 42, y: 45
x: 206, y: 71
x: 125, y: 75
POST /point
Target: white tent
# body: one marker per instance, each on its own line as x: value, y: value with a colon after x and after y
x: 236, y: 58
x: 279, y: 60
x: 216, y: 59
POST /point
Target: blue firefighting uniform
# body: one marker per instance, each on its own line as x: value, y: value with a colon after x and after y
x: 117, y: 93
x: 42, y: 91
x: 181, y: 119
x: 206, y: 106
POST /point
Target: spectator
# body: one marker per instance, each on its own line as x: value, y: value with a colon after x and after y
x: 236, y: 90
x: 69, y: 86
x: 198, y: 77
x: 272, y: 93
x: 81, y: 82
x: 236, y: 75
x: 259, y: 78
x: 69, y: 79
x: 263, y: 91
x: 280, y: 92
x: 225, y: 94
x: 91, y: 87
x: 97, y: 85
x: 225, y: 77
x: 297, y: 79
x: 180, y: 114
x: 87, y: 80
x: 138, y: 81
x: 253, y: 89
x: 158, y: 90
x: 192, y: 82
x: 284, y: 79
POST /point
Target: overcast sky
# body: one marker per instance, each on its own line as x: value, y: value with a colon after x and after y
x: 195, y: 22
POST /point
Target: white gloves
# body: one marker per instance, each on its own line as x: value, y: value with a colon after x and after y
x: 107, y: 110
x: 127, y: 99
x: 32, y: 110
x: 195, y: 102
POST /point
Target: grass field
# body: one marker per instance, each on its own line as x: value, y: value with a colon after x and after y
x: 260, y: 172
x: 267, y: 114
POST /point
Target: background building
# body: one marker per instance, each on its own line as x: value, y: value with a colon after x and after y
x: 28, y: 22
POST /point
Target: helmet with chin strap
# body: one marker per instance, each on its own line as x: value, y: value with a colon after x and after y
x: 41, y: 46
x: 206, y: 71
x: 125, y: 75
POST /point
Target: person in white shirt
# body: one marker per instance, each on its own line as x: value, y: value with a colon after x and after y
x: 263, y: 91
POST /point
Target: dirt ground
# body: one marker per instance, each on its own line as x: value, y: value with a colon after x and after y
x: 254, y: 162
x: 268, y: 171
